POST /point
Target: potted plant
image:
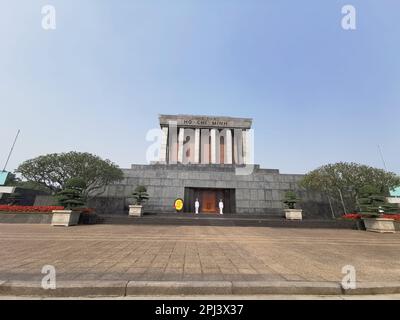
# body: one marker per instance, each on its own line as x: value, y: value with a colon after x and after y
x: 140, y: 196
x: 71, y: 198
x: 290, y: 200
x: 375, y: 210
x: 88, y: 216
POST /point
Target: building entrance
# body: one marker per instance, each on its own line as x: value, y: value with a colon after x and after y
x: 209, y: 199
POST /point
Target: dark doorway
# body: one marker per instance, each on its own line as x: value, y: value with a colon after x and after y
x: 209, y: 199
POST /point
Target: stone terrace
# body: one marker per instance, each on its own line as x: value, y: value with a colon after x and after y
x: 135, y: 252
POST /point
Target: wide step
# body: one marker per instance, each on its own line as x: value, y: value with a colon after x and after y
x: 228, y: 221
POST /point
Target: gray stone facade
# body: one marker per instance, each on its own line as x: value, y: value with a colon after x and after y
x: 258, y: 193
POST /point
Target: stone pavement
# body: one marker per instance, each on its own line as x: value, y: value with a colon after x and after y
x: 223, y: 297
x: 195, y: 253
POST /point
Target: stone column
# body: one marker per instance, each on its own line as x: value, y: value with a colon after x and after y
x: 172, y: 142
x: 244, y: 134
x: 188, y: 146
x: 250, y: 146
x: 247, y: 147
x: 197, y: 146
x: 228, y: 147
x: 205, y: 146
x: 238, y: 146
x: 213, y: 146
x: 180, y: 144
x: 164, y: 143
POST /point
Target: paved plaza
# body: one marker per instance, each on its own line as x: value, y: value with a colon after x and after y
x: 195, y: 253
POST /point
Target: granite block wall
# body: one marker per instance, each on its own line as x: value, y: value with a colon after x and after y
x: 258, y: 193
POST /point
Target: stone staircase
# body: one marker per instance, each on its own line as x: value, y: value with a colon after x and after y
x: 226, y: 220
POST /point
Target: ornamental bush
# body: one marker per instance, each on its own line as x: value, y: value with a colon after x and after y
x: 290, y: 199
x: 72, y: 195
x: 372, y: 202
x: 140, y: 195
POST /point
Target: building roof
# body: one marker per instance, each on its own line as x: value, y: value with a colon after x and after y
x: 203, y: 121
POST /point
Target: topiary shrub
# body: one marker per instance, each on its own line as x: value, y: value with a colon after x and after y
x: 373, y: 203
x: 290, y: 199
x: 72, y: 195
x: 140, y: 195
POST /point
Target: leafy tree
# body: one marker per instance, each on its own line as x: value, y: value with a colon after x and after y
x: 140, y: 195
x: 290, y: 199
x: 72, y: 195
x: 344, y: 181
x: 53, y: 170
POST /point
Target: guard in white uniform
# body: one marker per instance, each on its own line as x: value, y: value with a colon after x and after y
x: 221, y: 207
x: 197, y: 206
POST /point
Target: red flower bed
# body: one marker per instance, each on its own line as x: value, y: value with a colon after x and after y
x: 29, y: 209
x: 395, y: 216
x: 352, y: 216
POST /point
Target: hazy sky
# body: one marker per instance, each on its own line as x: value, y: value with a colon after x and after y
x: 318, y: 94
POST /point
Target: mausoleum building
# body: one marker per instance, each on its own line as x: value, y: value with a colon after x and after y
x: 205, y: 140
x: 209, y: 159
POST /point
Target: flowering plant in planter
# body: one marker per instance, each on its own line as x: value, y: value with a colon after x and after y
x: 88, y: 216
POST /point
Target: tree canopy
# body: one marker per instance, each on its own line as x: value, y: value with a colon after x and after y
x: 54, y: 170
x: 345, y: 181
x: 14, y: 181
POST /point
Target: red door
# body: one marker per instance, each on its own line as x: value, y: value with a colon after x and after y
x: 209, y: 202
